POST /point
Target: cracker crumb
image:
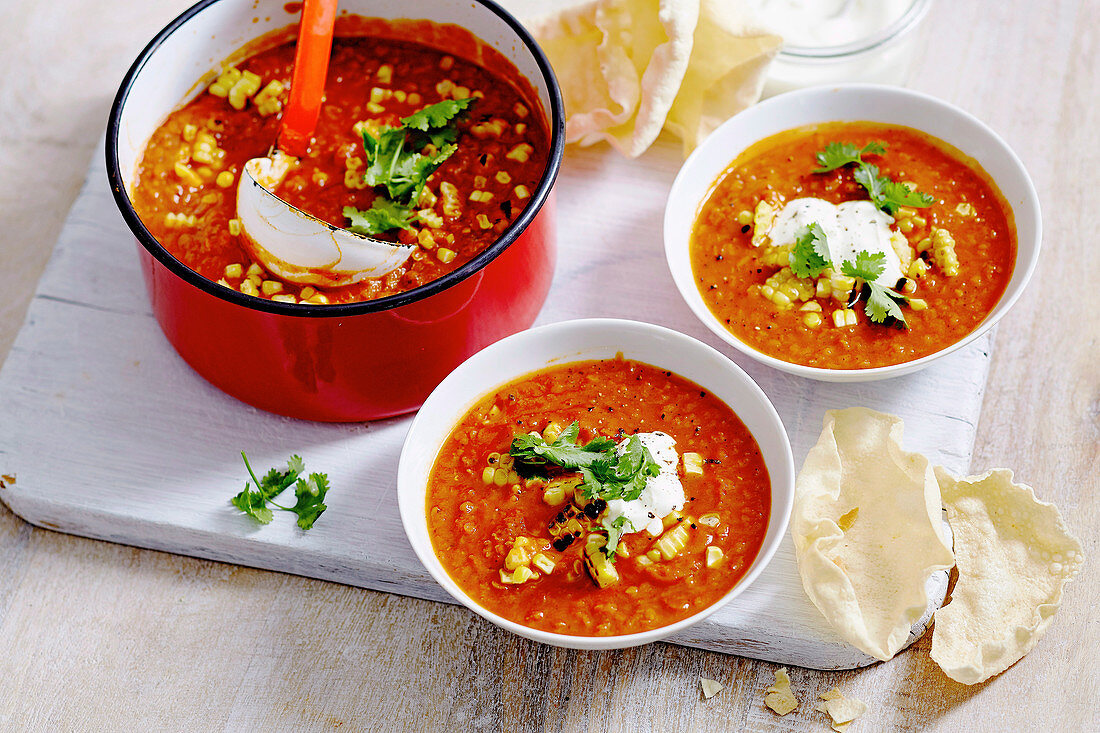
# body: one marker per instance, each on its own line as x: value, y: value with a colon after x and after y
x: 843, y: 710
x: 710, y: 687
x: 6, y: 479
x: 779, y: 697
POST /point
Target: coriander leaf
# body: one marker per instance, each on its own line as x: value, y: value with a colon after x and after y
x: 810, y: 255
x: 437, y: 115
x: 253, y: 504
x: 616, y: 528
x: 311, y: 494
x: 532, y: 453
x: 889, y: 195
x: 382, y: 216
x: 837, y: 155
x: 882, y: 302
x: 867, y: 266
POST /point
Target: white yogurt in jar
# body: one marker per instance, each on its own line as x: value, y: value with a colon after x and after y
x: 828, y: 22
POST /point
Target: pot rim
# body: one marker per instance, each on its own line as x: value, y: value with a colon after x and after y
x: 338, y: 310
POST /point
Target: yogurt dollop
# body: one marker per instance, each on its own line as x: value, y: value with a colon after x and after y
x: 818, y: 23
x: 663, y: 493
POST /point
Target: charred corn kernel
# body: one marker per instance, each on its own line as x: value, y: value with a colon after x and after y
x: 430, y: 218
x: 596, y: 562
x: 248, y: 288
x: 425, y: 239
x: 461, y: 92
x: 714, y: 556
x: 520, y: 110
x: 444, y: 88
x: 943, y: 252
x: 762, y: 221
x: 384, y: 74
x: 225, y: 82
x: 543, y: 563
x: 672, y: 542
x: 520, y: 153
x: 710, y: 519
x: 267, y: 100
x: 483, y: 222
x: 672, y: 518
x: 235, y: 227
x: 240, y: 92
x: 521, y: 192
x: 319, y: 299
x: 965, y: 209
x: 552, y: 431
x: 284, y: 298
x: 909, y: 287
x: 234, y: 271
x: 225, y: 179
x: 452, y: 203
x: 445, y: 255
x: 559, y: 490
x: 693, y: 463
x: 918, y: 304
x: 270, y: 287
x: 375, y: 108
x: 844, y: 317
x: 188, y: 176
x: 179, y: 221
x: 813, y: 320
x: 189, y: 132
x: 307, y: 292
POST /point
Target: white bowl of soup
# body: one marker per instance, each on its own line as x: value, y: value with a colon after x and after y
x: 852, y: 233
x: 641, y: 543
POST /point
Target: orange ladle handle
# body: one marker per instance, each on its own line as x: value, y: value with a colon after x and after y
x: 308, y: 83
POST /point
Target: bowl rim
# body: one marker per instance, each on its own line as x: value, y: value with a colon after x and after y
x: 906, y: 23
x: 539, y: 196
x: 411, y: 490
x: 1024, y: 269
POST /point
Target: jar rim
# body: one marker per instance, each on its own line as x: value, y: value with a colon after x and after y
x: 909, y: 20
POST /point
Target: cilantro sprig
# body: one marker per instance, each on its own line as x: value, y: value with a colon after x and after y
x: 886, y: 194
x: 401, y: 159
x: 810, y: 255
x: 533, y: 454
x: 882, y: 302
x: 837, y: 155
x: 309, y: 491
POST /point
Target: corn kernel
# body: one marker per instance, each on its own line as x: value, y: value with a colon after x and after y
x: 267, y: 101
x: 446, y: 63
x: 188, y: 176
x: 710, y: 519
x: 813, y: 320
x: 248, y: 288
x: 224, y: 180
x: 543, y: 563
x: 445, y: 255
x: 234, y: 271
x: 520, y: 128
x: 240, y: 92
x: 430, y: 218
x: 461, y: 92
x: 520, y: 110
x: 235, y: 227
x: 414, y: 98
x: 225, y: 82
x: 384, y: 74
x: 375, y: 108
x: 918, y: 304
x: 452, y: 203
x: 693, y: 464
x: 714, y: 556
x: 483, y: 222
x: 307, y: 292
x: 270, y: 287
x: 284, y: 298
x: 189, y: 131
x: 444, y: 87
x: 503, y: 177
x: 521, y: 192
x: 425, y: 239
x: 319, y: 299
x: 520, y: 153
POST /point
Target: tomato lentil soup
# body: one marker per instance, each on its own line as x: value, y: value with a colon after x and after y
x: 475, y: 519
x: 969, y: 217
x: 185, y: 188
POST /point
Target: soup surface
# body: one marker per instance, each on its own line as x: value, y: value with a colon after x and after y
x: 511, y: 542
x: 185, y: 189
x: 955, y: 250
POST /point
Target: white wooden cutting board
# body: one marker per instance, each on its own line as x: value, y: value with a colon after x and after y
x: 110, y: 435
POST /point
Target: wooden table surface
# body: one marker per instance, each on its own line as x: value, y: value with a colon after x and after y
x: 95, y: 636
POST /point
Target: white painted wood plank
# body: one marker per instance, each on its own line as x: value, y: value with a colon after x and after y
x: 112, y: 436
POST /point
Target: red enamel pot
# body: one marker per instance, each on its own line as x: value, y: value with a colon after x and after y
x: 355, y: 361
